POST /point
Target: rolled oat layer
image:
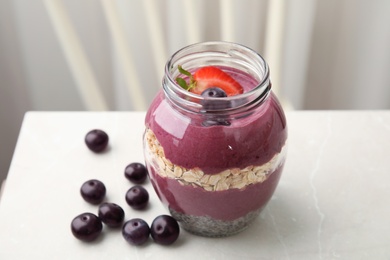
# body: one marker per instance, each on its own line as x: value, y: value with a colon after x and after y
x: 234, y: 178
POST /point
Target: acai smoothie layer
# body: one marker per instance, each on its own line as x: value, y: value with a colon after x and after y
x: 250, y: 141
x: 240, y: 163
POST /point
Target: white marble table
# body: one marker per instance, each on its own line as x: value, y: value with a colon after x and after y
x: 333, y: 201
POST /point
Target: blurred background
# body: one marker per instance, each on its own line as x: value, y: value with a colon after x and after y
x: 90, y: 55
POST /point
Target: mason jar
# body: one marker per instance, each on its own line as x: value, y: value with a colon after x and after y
x: 215, y: 162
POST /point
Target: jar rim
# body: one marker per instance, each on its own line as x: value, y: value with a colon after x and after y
x: 243, y: 55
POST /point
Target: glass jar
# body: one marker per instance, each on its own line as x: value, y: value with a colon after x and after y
x: 215, y: 162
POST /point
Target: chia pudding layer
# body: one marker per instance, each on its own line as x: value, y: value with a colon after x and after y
x: 215, y: 179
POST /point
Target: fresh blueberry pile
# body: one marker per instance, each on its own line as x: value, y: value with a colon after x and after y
x: 88, y: 226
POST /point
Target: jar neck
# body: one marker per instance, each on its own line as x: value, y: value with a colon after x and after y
x: 220, y: 54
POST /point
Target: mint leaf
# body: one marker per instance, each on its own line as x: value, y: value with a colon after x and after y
x: 182, y: 83
x: 183, y: 71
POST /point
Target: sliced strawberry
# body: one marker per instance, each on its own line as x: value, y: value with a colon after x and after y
x: 207, y: 77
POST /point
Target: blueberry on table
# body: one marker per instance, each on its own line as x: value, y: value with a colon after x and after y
x: 86, y: 227
x: 111, y: 214
x: 164, y: 230
x: 136, y: 231
x: 93, y: 191
x: 96, y: 140
x: 137, y: 197
x: 136, y: 172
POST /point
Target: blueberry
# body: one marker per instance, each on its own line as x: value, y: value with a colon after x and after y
x: 136, y: 172
x: 96, y: 140
x: 164, y: 230
x: 137, y: 197
x: 136, y: 231
x: 213, y: 105
x: 93, y: 191
x: 214, y: 92
x: 111, y: 214
x: 212, y: 122
x: 86, y: 227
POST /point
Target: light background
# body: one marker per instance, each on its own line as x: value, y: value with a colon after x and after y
x: 329, y: 54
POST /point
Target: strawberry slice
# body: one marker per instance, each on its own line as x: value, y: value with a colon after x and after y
x: 207, y: 77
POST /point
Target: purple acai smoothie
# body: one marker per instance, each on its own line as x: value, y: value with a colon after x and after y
x: 216, y: 178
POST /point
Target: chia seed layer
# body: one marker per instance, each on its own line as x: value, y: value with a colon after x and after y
x: 209, y: 227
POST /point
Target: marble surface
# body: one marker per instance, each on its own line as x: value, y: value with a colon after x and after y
x: 333, y: 200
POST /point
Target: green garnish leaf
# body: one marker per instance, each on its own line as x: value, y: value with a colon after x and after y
x: 183, y: 71
x: 182, y: 83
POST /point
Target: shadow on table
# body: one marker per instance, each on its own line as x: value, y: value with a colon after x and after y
x: 275, y: 231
